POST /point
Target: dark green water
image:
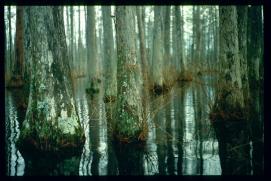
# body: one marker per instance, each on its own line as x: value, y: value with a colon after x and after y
x: 180, y: 140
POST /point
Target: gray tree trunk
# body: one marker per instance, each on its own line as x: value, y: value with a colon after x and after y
x: 91, y: 44
x: 144, y: 61
x: 167, y: 35
x: 51, y: 122
x: 10, y: 41
x: 19, y: 51
x: 71, y: 39
x: 110, y: 63
x: 157, y: 55
x: 129, y: 122
x: 242, y: 41
x: 181, y: 67
x: 228, y: 114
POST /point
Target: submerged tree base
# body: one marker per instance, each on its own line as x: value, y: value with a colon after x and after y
x: 231, y: 128
x: 158, y: 89
x: 54, y: 143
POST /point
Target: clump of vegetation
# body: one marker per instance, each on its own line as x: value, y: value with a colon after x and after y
x: 94, y: 87
x: 36, y: 140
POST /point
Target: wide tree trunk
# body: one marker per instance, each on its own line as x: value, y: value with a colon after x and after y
x: 51, y: 122
x: 128, y: 119
x: 228, y: 114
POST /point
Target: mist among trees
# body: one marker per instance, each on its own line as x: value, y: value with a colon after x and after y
x: 118, y: 78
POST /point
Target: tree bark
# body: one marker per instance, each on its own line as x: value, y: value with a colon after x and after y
x: 228, y: 114
x: 144, y: 61
x: 19, y: 52
x: 71, y: 39
x: 110, y: 63
x: 179, y: 40
x: 129, y: 123
x: 51, y: 122
x: 242, y: 42
x: 91, y: 44
x: 157, y: 56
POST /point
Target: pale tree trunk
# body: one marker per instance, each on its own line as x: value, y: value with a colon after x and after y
x: 150, y: 43
x: 51, y: 122
x: 228, y: 113
x: 144, y: 61
x: 128, y: 119
x: 10, y: 42
x: 19, y: 51
x: 157, y: 54
x: 198, y: 37
x: 80, y: 46
x: 179, y: 40
x: 71, y: 39
x: 92, y: 54
x: 110, y: 63
x: 167, y: 36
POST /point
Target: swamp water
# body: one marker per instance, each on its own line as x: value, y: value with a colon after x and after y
x: 181, y: 140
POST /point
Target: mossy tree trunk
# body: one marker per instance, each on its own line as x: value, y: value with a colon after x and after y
x: 228, y: 113
x: 51, y: 122
x: 128, y: 119
x: 110, y: 63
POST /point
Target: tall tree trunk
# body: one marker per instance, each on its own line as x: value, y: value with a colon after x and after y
x: 71, y: 39
x: 150, y: 43
x: 228, y: 113
x: 10, y: 40
x: 129, y: 122
x: 242, y: 42
x: 144, y: 61
x: 254, y: 57
x: 179, y: 40
x: 51, y: 122
x: 157, y: 56
x: 79, y: 57
x: 19, y: 54
x: 110, y: 63
x: 91, y: 44
x: 167, y: 35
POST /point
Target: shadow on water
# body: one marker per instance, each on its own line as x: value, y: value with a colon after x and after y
x: 180, y: 138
